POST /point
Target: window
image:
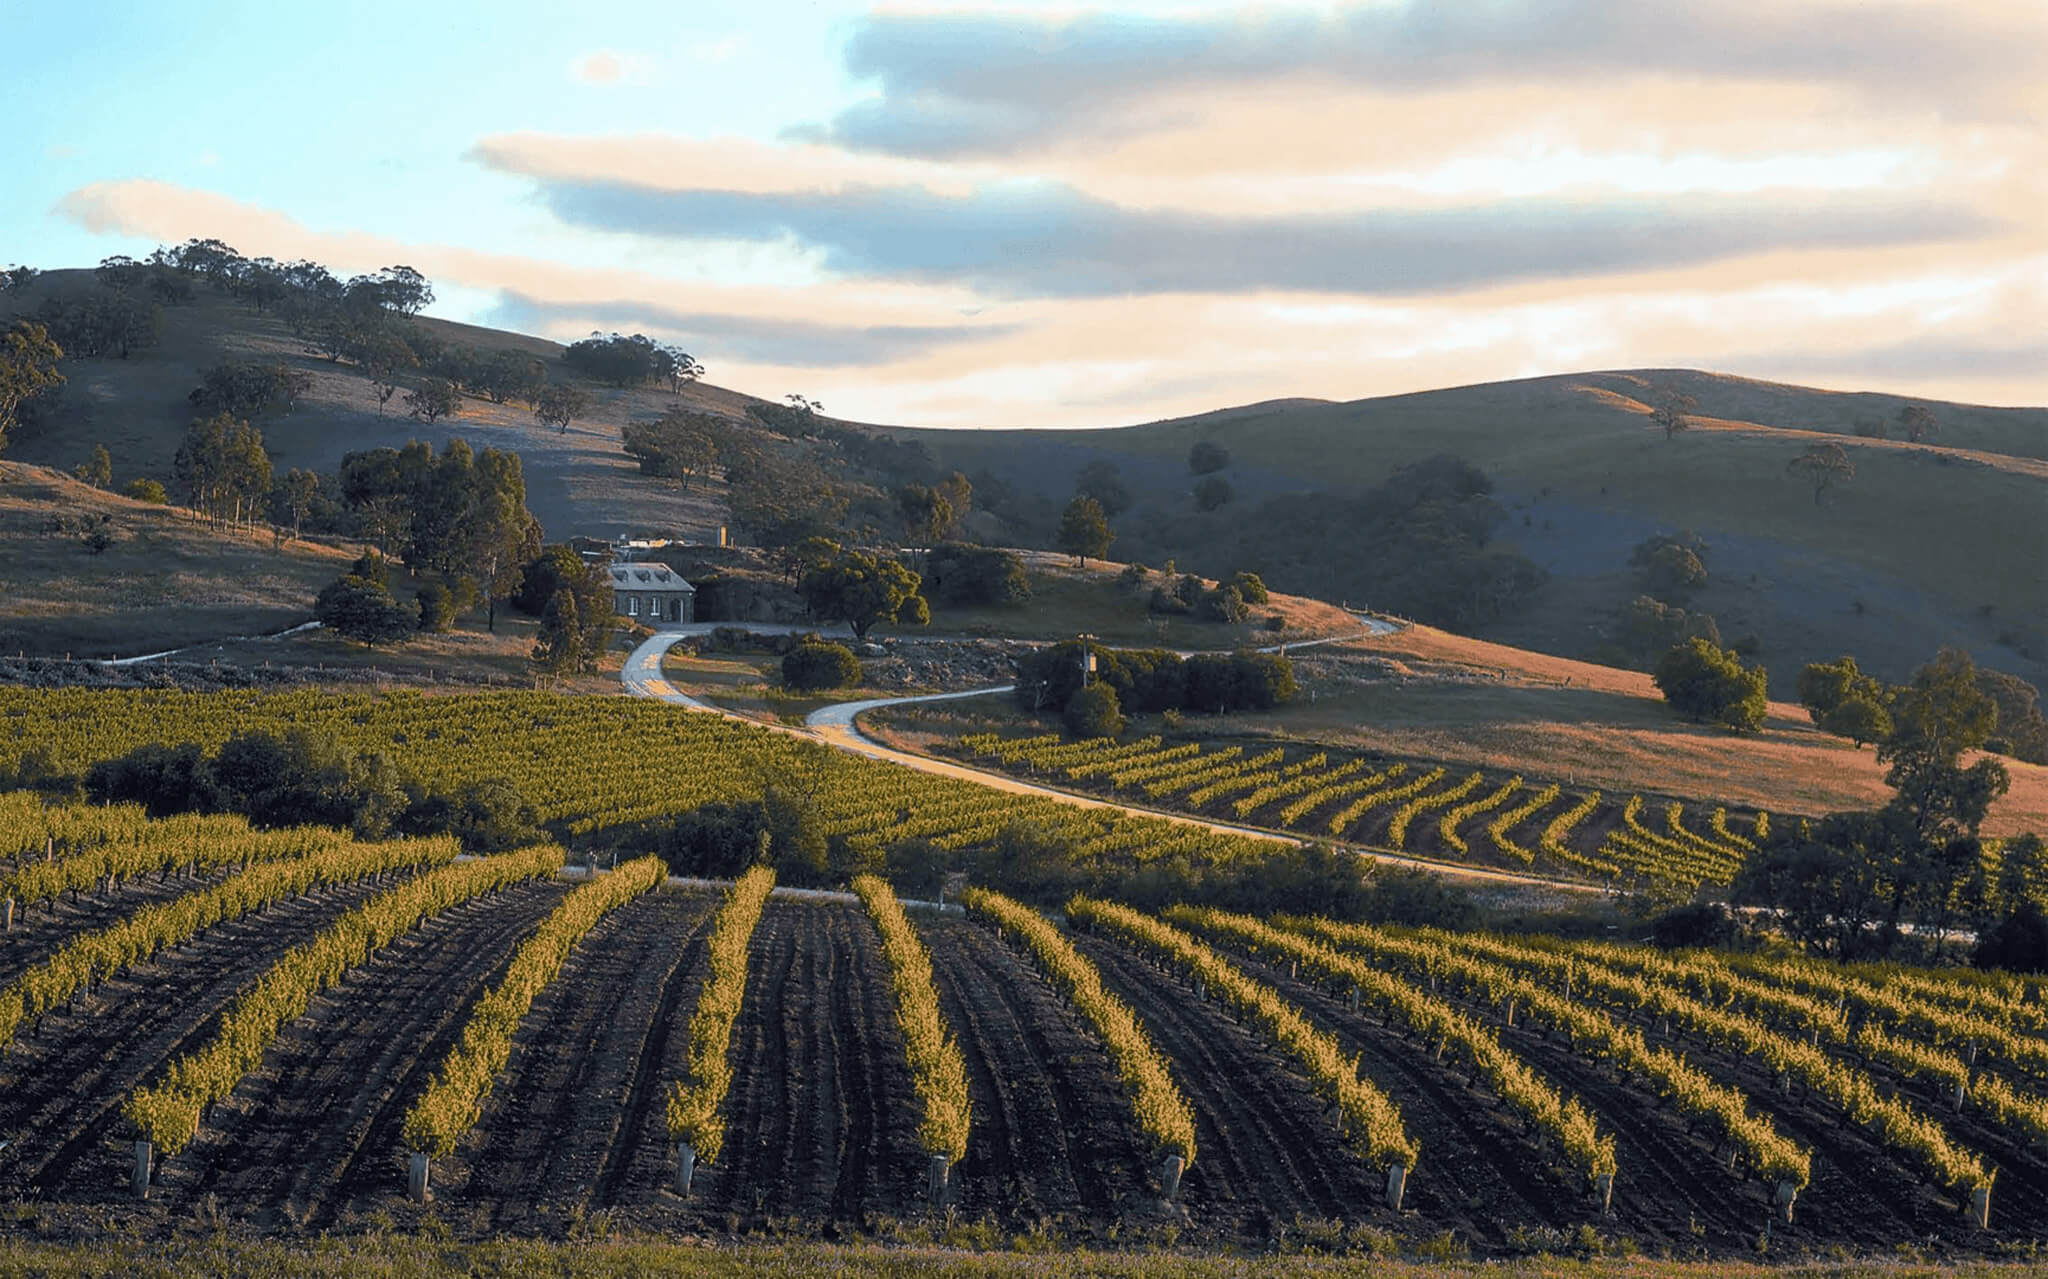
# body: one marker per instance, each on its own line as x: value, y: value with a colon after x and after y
x: 633, y: 605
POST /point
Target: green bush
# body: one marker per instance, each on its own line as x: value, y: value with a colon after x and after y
x: 437, y: 607
x: 1707, y: 682
x: 361, y: 609
x: 146, y: 490
x: 819, y: 664
x: 1093, y: 711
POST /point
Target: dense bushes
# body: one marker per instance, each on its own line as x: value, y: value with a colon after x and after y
x: 301, y: 779
x: 963, y: 575
x: 819, y: 664
x: 1710, y: 683
x: 1153, y: 680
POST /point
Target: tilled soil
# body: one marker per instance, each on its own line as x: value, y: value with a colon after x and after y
x: 1053, y: 1139
x: 315, y: 1131
x: 1267, y: 1153
x: 64, y: 1087
x: 41, y: 928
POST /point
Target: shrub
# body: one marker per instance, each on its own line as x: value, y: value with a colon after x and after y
x: 146, y: 490
x: 819, y: 664
x: 361, y: 609
x: 958, y: 573
x: 1700, y: 924
x: 1706, y: 682
x: 1093, y: 711
x: 1859, y: 719
x: 1250, y: 586
x: 1224, y: 604
x: 436, y: 607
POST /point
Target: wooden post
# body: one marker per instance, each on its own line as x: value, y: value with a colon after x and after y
x: 1603, y: 1190
x: 1509, y: 1018
x: 1962, y: 1086
x: 7, y: 916
x: 941, y: 1170
x: 1788, y: 1193
x: 1351, y: 1000
x: 1397, y: 1181
x: 1170, y: 1174
x: 145, y: 1158
x: 416, y: 1178
x: 1980, y: 1207
x: 686, y: 1167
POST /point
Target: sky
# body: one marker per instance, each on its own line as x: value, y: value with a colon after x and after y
x: 1084, y: 214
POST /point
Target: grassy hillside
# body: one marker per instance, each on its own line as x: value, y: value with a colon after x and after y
x: 1930, y: 544
x: 577, y: 482
x: 166, y: 580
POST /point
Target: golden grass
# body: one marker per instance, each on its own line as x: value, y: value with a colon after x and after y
x: 1471, y: 702
x: 168, y: 579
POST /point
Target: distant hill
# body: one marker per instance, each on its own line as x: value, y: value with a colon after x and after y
x: 1934, y: 543
x: 1930, y: 544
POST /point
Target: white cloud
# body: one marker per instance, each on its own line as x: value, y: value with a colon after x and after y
x: 607, y: 67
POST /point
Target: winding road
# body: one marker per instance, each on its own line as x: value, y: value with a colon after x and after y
x: 838, y: 726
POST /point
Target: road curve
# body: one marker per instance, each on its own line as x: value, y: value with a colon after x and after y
x: 837, y: 726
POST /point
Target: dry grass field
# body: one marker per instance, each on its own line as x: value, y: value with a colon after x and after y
x: 166, y: 580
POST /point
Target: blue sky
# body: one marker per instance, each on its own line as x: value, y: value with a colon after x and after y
x: 1084, y: 214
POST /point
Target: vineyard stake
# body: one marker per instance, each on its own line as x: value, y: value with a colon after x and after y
x: 1788, y: 1192
x: 1169, y: 1175
x: 686, y: 1167
x: 145, y: 1155
x: 1397, y: 1181
x: 941, y: 1171
x: 416, y: 1178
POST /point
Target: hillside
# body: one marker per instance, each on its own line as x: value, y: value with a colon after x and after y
x: 1930, y: 544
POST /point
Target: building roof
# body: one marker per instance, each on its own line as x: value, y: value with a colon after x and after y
x: 645, y: 575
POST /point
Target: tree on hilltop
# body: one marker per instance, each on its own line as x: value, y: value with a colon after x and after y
x: 1917, y: 421
x: 1670, y: 410
x: 1084, y: 530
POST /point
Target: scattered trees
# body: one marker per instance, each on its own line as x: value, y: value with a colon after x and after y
x: 1153, y: 680
x: 250, y: 389
x: 1707, y: 682
x: 1084, y: 530
x: 632, y: 361
x: 681, y: 445
x: 1824, y: 466
x: 223, y: 468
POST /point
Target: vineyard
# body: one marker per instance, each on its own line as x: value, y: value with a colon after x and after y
x: 1477, y: 818
x: 291, y: 1029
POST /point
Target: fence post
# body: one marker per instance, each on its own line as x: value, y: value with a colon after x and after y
x: 416, y: 1178
x: 686, y: 1167
x: 1397, y: 1181
x: 145, y: 1158
x: 941, y: 1170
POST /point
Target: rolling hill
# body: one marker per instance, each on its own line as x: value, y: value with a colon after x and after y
x: 1933, y: 543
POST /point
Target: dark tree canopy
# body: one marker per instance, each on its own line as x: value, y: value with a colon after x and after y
x: 1824, y: 466
x: 1207, y: 457
x: 840, y: 584
x: 1709, y: 683
x: 1102, y: 481
x: 1084, y: 530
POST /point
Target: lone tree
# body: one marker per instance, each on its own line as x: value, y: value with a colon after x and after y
x: 1212, y: 492
x: 559, y: 647
x: 557, y: 406
x: 844, y: 585
x: 1707, y: 682
x: 1917, y: 421
x: 436, y: 398
x: 1084, y: 530
x: 1669, y: 412
x: 98, y: 471
x: 1207, y: 457
x: 1823, y: 466
x: 1825, y: 685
